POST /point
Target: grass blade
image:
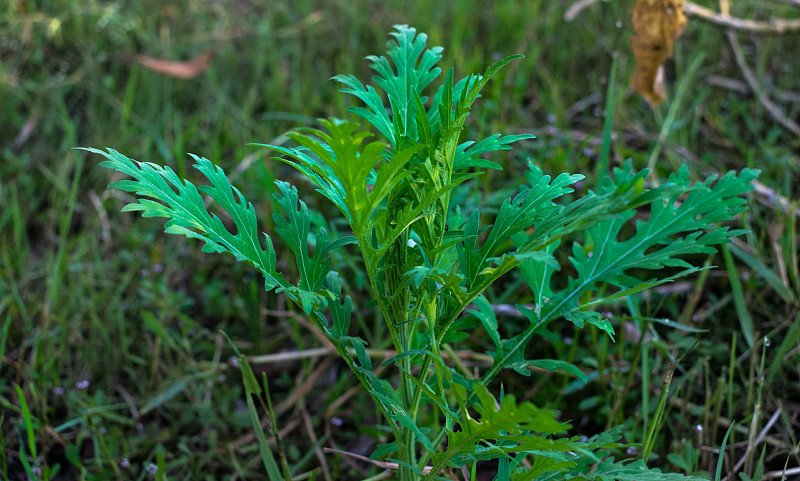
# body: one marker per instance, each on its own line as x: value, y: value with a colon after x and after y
x: 267, y: 457
x: 27, y: 420
x: 722, y: 452
x: 766, y: 273
x: 745, y: 321
x: 608, y: 121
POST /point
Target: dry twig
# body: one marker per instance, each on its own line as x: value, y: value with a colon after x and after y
x: 773, y: 25
x: 380, y: 464
x: 326, y: 470
x: 783, y: 96
x: 755, y: 440
x: 750, y: 77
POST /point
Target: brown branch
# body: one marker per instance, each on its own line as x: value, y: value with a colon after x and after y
x: 782, y: 474
x: 770, y: 198
x: 380, y: 464
x: 742, y: 88
x: 773, y: 25
x: 750, y: 77
x: 312, y: 436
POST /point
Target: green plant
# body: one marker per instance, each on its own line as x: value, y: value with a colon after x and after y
x: 429, y: 264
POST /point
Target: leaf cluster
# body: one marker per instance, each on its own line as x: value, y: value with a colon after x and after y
x: 429, y: 267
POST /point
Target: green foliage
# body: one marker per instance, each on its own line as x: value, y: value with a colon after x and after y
x: 180, y: 201
x: 427, y: 266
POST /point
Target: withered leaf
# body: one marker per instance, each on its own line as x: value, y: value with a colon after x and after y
x: 657, y: 24
x: 183, y: 70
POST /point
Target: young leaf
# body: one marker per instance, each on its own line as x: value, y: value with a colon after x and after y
x: 340, y: 309
x: 315, y: 170
x: 440, y: 112
x: 541, y: 465
x: 342, y: 169
x: 538, y: 274
x: 441, y: 278
x: 294, y: 229
x: 526, y: 208
x: 486, y: 315
x: 467, y: 152
x: 415, y: 70
x: 506, y: 423
x: 555, y: 364
x: 376, y: 114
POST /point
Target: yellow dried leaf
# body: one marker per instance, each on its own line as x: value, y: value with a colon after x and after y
x: 657, y: 24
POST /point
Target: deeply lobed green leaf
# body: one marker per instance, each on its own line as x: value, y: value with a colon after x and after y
x: 180, y: 201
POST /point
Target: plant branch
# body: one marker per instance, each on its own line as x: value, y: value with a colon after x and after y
x: 758, y: 90
x: 772, y: 26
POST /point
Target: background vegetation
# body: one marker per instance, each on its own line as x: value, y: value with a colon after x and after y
x: 110, y: 329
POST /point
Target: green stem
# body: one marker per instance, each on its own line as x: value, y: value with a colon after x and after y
x: 405, y: 444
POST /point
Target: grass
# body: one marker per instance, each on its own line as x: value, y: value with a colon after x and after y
x: 112, y: 359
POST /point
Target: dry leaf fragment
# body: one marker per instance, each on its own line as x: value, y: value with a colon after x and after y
x: 657, y: 24
x: 182, y: 70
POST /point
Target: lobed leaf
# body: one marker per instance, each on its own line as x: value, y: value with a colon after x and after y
x: 376, y: 114
x: 531, y: 205
x: 295, y: 229
x: 673, y: 229
x: 409, y: 68
x: 180, y: 201
x: 467, y: 153
x: 610, y: 470
x: 503, y: 428
x: 415, y: 69
x: 341, y: 307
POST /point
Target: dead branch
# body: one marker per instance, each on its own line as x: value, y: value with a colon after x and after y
x: 773, y: 25
x: 750, y: 77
